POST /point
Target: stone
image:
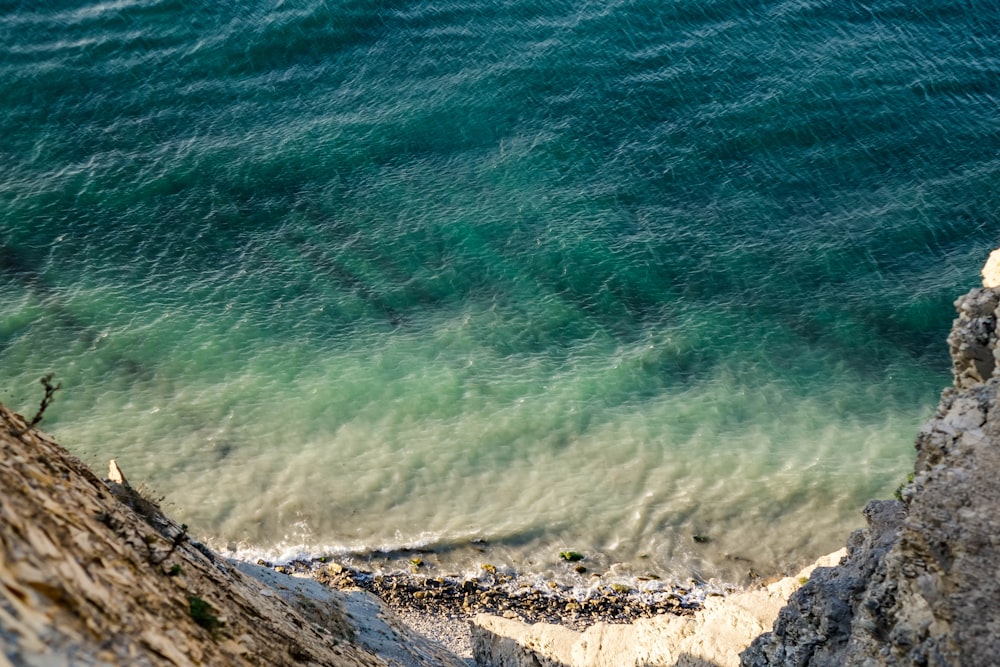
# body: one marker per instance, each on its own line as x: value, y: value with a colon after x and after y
x: 920, y: 585
x: 115, y: 473
x: 991, y: 270
x: 90, y: 575
x: 713, y: 635
x: 813, y: 627
x: 973, y: 338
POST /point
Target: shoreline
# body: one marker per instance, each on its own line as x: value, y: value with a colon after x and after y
x: 469, y: 615
x: 625, y: 590
x: 442, y: 608
x: 509, y: 594
x: 96, y: 572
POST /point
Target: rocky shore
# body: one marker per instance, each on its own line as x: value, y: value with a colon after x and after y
x: 496, y: 618
x: 443, y: 607
x: 509, y: 595
x: 92, y: 573
x: 919, y: 586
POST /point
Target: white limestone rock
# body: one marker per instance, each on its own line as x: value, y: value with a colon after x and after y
x: 713, y: 636
x: 991, y: 271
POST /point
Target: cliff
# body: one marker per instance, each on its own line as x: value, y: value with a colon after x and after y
x: 919, y: 586
x: 93, y: 574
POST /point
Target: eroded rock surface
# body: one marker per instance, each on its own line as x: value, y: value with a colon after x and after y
x: 920, y: 586
x: 93, y: 574
x: 711, y: 637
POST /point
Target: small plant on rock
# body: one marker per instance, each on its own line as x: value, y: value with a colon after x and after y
x: 898, y: 493
x: 203, y: 614
x: 50, y: 391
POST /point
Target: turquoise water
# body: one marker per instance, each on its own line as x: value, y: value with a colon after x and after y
x: 356, y: 275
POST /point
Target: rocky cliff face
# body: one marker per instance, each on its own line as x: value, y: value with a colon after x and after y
x: 920, y: 586
x: 93, y: 574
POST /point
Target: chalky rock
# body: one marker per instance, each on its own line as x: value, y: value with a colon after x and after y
x: 713, y: 635
x: 991, y: 271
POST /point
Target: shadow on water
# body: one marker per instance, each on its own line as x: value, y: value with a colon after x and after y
x: 514, y: 539
x: 16, y: 267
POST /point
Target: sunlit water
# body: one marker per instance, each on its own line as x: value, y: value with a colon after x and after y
x: 335, y: 277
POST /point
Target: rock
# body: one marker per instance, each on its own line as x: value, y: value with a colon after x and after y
x: 920, y: 585
x: 973, y: 338
x: 571, y: 556
x: 812, y: 628
x: 92, y: 574
x: 501, y: 642
x: 991, y: 271
x: 713, y: 635
x: 115, y: 473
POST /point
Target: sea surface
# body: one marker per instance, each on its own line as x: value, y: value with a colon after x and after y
x: 495, y: 279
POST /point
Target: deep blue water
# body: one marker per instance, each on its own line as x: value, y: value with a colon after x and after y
x: 602, y: 276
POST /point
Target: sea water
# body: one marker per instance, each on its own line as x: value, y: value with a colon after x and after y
x: 356, y: 276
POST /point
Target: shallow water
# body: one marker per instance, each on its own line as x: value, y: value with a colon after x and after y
x: 335, y: 277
